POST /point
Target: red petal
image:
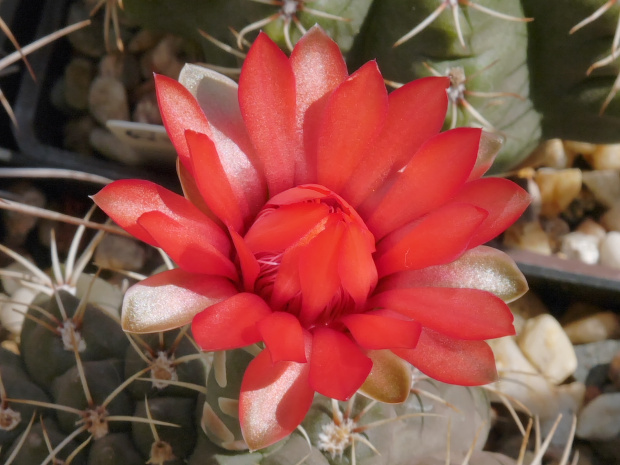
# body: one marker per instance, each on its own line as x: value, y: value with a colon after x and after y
x: 274, y: 400
x: 250, y: 268
x: 319, y: 68
x: 230, y: 324
x: 187, y: 244
x: 267, y: 101
x: 337, y: 366
x: 318, y: 271
x: 437, y: 238
x: 170, y: 299
x: 352, y: 120
x: 356, y: 267
x: 433, y: 175
x: 179, y: 112
x: 217, y: 95
x: 284, y: 337
x: 469, y: 314
x: 468, y: 363
x: 416, y: 113
x: 275, y: 231
x: 503, y: 199
x: 481, y: 268
x: 212, y: 180
x: 127, y: 200
x: 382, y: 330
x: 286, y: 285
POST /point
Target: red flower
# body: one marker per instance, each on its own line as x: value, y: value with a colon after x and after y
x: 328, y: 220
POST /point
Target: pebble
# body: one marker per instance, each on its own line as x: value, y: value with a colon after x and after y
x: 548, y: 348
x: 77, y: 134
x: 88, y: 40
x: 591, y: 227
x: 163, y: 59
x: 527, y: 306
x: 79, y: 75
x: 107, y: 100
x: 528, y: 236
x: 558, y: 188
x: 550, y: 153
x: 120, y: 253
x: 600, y: 419
x: 593, y: 328
x: 574, y: 148
x: 17, y: 225
x: 12, y: 313
x: 556, y: 228
x: 124, y: 67
x: 610, y: 220
x: 604, y: 185
x: 580, y: 246
x: 614, y: 370
x: 605, y: 157
x: 610, y: 250
x: 519, y: 379
x: 147, y: 110
x: 110, y: 146
x: 594, y: 354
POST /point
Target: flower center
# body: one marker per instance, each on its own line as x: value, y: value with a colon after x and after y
x: 314, y: 253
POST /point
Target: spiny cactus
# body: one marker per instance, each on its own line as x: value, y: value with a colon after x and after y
x: 525, y: 69
x: 83, y: 393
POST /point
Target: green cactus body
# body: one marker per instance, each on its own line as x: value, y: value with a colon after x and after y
x: 570, y: 100
x: 494, y: 61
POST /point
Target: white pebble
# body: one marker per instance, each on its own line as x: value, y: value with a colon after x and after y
x: 600, y: 419
x: 580, y: 246
x: 610, y: 250
x: 548, y: 348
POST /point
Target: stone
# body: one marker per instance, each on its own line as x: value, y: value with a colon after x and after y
x: 528, y: 236
x: 556, y: 228
x: 527, y: 306
x: 580, y: 246
x: 143, y: 41
x: 548, y: 348
x: 606, y: 157
x: 591, y: 227
x: 147, y: 110
x: 574, y: 148
x: 600, y: 419
x: 165, y: 57
x: 79, y: 75
x: 120, y: 253
x: 77, y: 134
x: 107, y: 100
x: 614, y: 370
x: 558, y: 189
x: 520, y: 380
x: 121, y: 66
x: 610, y: 250
x: 14, y: 307
x: 592, y: 328
x: 111, y: 147
x: 549, y: 153
x: 89, y: 40
x: 592, y: 355
x: 610, y: 220
x: 604, y: 185
x: 17, y: 225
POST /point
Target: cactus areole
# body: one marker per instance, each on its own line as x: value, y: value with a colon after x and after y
x: 329, y: 222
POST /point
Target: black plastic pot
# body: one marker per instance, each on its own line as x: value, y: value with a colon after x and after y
x: 40, y: 125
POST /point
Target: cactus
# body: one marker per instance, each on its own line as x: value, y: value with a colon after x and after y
x: 91, y: 395
x: 526, y: 80
x: 95, y: 395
